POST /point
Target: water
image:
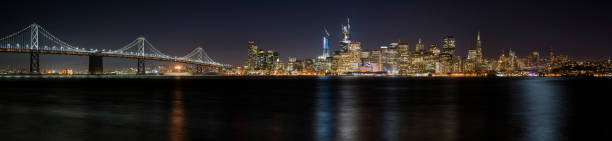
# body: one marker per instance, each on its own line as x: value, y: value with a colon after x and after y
x: 303, y: 108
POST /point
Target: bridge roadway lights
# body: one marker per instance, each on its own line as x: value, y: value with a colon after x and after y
x: 141, y: 66
x: 96, y: 64
x: 34, y: 63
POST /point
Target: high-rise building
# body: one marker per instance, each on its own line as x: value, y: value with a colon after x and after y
x: 512, y: 60
x: 270, y: 60
x: 472, y: 55
x: 478, y: 48
x: 376, y: 60
x: 420, y: 46
x: 435, y: 49
x: 447, y: 55
x: 533, y: 60
x: 403, y: 50
x: 326, y: 44
x: 252, y: 56
x: 261, y: 62
x: 323, y: 65
x: 364, y: 56
x: 346, y: 40
x: 290, y: 68
x: 389, y: 58
x: 448, y: 45
x: 350, y: 60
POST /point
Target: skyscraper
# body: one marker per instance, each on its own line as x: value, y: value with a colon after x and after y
x: 420, y: 46
x: 326, y: 45
x: 389, y: 58
x: 252, y: 56
x: 346, y: 40
x: 448, y: 45
x: 478, y: 48
x: 446, y: 55
x: 403, y: 50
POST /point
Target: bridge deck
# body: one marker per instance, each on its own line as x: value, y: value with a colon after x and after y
x: 105, y: 54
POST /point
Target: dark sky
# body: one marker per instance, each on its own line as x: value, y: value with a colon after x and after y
x: 294, y: 28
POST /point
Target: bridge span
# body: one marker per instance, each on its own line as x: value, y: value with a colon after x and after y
x: 35, y: 40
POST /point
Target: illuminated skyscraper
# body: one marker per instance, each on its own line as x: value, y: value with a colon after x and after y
x: 403, y: 50
x: 350, y: 60
x: 389, y: 58
x: 376, y: 60
x: 448, y: 45
x: 346, y: 40
x: 446, y: 55
x: 420, y: 46
x: 252, y: 56
x: 326, y: 45
x: 512, y: 60
x: 435, y: 49
x: 478, y: 48
x: 472, y: 55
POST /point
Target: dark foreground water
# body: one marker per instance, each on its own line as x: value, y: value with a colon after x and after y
x: 82, y: 108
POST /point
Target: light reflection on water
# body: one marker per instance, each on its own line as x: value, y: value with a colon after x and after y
x: 540, y: 109
x: 322, y: 109
x: 390, y: 114
x: 176, y: 128
x: 323, y: 112
x: 348, y: 110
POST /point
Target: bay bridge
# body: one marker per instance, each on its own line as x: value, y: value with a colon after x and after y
x: 36, y: 40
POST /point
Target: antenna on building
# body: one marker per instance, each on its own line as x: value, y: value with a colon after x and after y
x: 326, y: 32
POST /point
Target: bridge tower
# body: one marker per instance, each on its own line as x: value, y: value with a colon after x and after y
x: 141, y: 54
x: 35, y: 54
x: 199, y: 67
x: 96, y: 64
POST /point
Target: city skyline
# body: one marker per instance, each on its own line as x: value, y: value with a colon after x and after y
x: 297, y: 34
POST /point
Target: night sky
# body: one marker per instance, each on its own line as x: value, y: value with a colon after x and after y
x: 294, y: 28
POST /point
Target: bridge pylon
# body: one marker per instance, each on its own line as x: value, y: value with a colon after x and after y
x: 34, y: 54
x: 199, y: 68
x: 96, y: 64
x: 141, y: 59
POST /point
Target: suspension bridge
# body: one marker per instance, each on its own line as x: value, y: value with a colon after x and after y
x: 36, y: 40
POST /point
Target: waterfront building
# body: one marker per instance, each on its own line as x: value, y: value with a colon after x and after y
x: 335, y: 62
x: 533, y: 61
x: 252, y: 56
x: 290, y: 68
x: 403, y: 50
x: 389, y: 59
x: 271, y: 61
x: 375, y: 60
x: 323, y: 65
x: 309, y: 67
x: 261, y: 62
x: 512, y: 60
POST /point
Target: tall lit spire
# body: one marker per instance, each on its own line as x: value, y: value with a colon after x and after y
x: 325, y: 44
x: 346, y: 30
x: 348, y: 22
x: 478, y: 36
